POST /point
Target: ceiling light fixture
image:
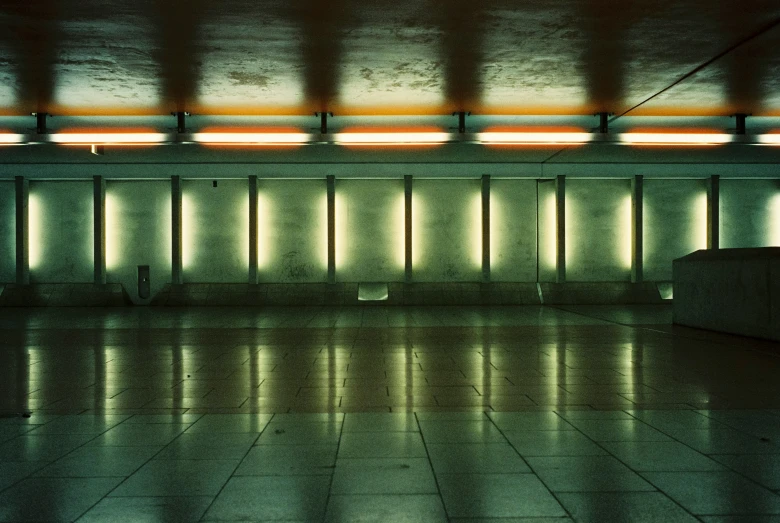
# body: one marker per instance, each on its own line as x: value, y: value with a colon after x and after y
x: 252, y: 138
x: 392, y: 138
x: 769, y: 139
x: 108, y: 138
x: 534, y: 137
x: 12, y: 138
x: 675, y: 138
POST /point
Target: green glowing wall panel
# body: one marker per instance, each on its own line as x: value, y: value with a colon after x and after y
x: 292, y: 231
x: 447, y: 230
x: 675, y: 223
x: 749, y: 213
x: 215, y: 231
x: 513, y: 230
x: 61, y: 232
x: 546, y: 247
x: 7, y: 232
x: 370, y: 230
x: 598, y: 230
x: 138, y: 232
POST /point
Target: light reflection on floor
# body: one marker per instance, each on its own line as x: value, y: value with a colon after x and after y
x: 382, y: 413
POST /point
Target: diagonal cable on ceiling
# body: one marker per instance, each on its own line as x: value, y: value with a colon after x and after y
x: 768, y: 27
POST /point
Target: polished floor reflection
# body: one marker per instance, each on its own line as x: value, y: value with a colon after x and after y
x: 384, y: 414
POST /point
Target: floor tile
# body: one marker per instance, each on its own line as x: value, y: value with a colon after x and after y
x: 460, y: 432
x: 475, y: 458
x: 13, y: 471
x: 139, y: 435
x: 231, y: 423
x: 289, y: 460
x: 46, y: 447
x: 618, y: 430
x: 381, y: 445
x: 383, y: 476
x: 88, y: 462
x: 497, y: 496
x: 377, y: 422
x: 300, y: 498
x: 53, y: 499
x: 667, y: 456
x: 385, y: 509
x: 634, y: 507
x: 587, y: 474
x: 513, y: 421
x: 148, y: 510
x: 553, y: 443
x: 299, y: 433
x: 177, y: 478
x: 209, y: 445
x: 715, y: 493
x: 724, y: 441
x: 79, y: 425
x: 761, y: 469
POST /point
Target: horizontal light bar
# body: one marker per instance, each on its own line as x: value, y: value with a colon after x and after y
x: 108, y: 138
x: 391, y: 138
x: 252, y: 138
x: 534, y: 137
x: 769, y: 139
x: 676, y: 138
x: 6, y: 138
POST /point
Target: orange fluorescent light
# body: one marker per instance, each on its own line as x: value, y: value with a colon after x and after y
x: 251, y: 138
x: 676, y: 138
x: 391, y: 138
x: 534, y: 137
x: 108, y: 138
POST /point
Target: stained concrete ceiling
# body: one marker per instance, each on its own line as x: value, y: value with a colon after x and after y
x: 659, y: 57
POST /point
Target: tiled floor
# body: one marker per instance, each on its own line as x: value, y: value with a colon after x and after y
x: 529, y: 414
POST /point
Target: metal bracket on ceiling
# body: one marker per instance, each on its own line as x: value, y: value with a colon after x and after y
x: 181, y: 121
x: 40, y: 122
x: 741, y: 123
x: 323, y: 121
x: 461, y: 120
x: 603, y: 122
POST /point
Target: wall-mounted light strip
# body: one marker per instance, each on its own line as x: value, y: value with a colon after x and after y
x: 107, y: 138
x: 391, y: 138
x: 534, y: 138
x: 252, y: 138
x: 12, y: 138
x: 675, y: 138
x: 769, y: 139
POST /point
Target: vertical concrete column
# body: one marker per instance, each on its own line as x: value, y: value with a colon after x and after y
x: 485, y: 228
x: 99, y: 215
x: 408, y: 228
x: 253, y: 230
x: 560, y: 229
x: 176, y: 231
x: 22, y: 231
x: 331, y: 184
x: 713, y: 212
x: 637, y: 232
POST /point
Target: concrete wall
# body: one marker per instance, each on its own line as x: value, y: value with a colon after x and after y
x: 675, y: 224
x: 61, y: 232
x: 598, y: 230
x: 370, y: 230
x: 447, y: 236
x: 749, y: 213
x: 546, y: 247
x: 215, y: 231
x: 513, y: 230
x: 7, y: 232
x: 293, y: 234
x: 138, y: 232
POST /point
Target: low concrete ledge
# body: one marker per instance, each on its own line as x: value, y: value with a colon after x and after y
x: 600, y: 293
x: 729, y: 290
x: 63, y: 295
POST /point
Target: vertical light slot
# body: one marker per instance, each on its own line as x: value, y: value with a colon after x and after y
x: 245, y: 232
x: 774, y: 221
x: 263, y: 230
x: 168, y: 231
x: 342, y: 223
x: 112, y: 232
x: 323, y: 231
x: 188, y: 226
x: 475, y: 239
x: 34, y: 230
x: 568, y: 211
x: 626, y: 232
x: 399, y: 234
x: 550, y: 248
x: 495, y: 229
x: 417, y: 240
x: 699, y: 240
